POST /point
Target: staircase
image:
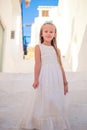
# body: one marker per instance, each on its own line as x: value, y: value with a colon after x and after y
x: 17, y: 96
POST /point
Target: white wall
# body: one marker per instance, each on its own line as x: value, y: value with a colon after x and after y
x: 76, y: 16
x: 11, y: 20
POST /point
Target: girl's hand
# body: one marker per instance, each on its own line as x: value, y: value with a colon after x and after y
x: 65, y: 89
x: 35, y: 84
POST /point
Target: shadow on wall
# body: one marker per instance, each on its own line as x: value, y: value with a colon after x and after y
x: 82, y: 62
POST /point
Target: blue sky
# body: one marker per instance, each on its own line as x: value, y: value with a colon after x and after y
x: 30, y: 12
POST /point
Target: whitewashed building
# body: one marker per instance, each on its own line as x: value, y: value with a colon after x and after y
x: 10, y: 35
x: 74, y: 12
x: 48, y: 14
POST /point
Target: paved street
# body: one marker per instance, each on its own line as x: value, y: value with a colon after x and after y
x: 16, y: 98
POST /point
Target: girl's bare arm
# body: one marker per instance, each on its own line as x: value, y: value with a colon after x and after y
x: 37, y: 66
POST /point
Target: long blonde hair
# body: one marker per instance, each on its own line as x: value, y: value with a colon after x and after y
x: 53, y: 42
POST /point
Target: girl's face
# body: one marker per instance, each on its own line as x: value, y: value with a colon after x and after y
x: 48, y: 32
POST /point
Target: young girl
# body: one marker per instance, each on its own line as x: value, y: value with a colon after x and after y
x: 50, y: 84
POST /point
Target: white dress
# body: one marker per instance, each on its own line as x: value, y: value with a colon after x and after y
x: 48, y: 112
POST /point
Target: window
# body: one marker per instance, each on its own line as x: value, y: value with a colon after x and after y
x: 12, y: 34
x: 45, y: 13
